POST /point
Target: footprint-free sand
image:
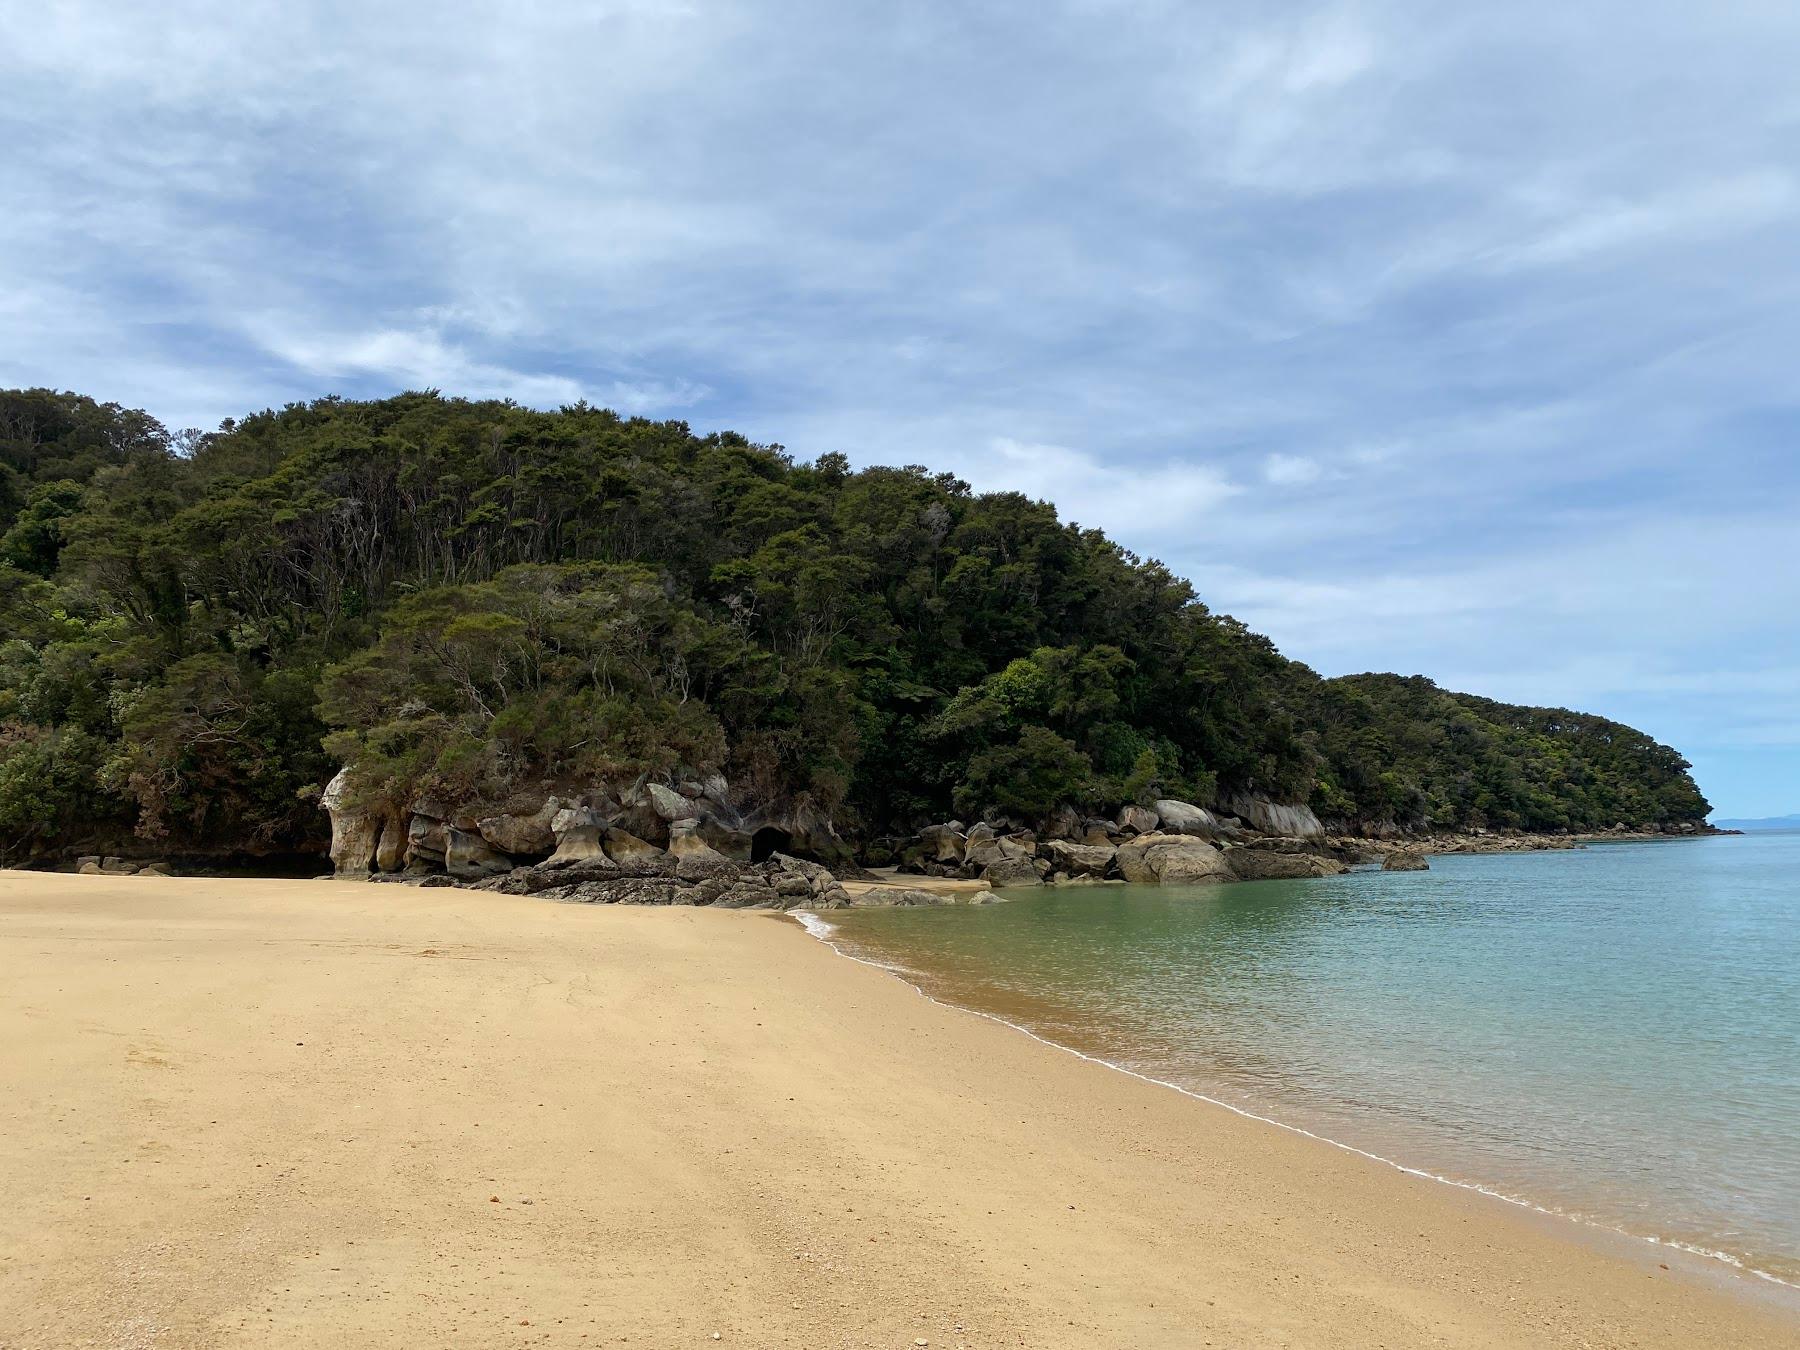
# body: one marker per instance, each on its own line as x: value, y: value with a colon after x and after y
x: 313, y: 1113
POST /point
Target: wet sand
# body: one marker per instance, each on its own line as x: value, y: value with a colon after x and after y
x: 311, y: 1113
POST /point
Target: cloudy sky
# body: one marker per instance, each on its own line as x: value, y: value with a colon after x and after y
x: 1451, y: 339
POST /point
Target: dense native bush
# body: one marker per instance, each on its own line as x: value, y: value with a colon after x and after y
x: 470, y: 598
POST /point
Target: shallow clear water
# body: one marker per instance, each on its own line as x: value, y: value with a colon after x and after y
x: 1613, y: 1032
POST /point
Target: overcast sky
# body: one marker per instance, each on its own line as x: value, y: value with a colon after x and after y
x: 1449, y: 339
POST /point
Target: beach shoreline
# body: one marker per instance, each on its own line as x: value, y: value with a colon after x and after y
x: 1727, y: 1269
x: 293, y: 1113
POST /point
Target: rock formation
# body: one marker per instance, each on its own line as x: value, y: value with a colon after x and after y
x: 1172, y: 860
x: 1278, y: 818
x: 1186, y: 818
x: 1267, y: 864
x: 355, y: 830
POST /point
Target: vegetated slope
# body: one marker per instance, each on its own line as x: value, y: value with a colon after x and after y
x: 468, y: 597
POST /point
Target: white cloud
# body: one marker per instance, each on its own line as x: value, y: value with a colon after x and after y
x: 1137, y: 500
x: 1699, y: 211
x: 1292, y: 470
x: 1175, y: 267
x: 411, y: 360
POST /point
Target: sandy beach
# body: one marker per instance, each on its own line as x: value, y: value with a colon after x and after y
x: 312, y: 1113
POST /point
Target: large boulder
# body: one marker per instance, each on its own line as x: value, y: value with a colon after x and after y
x: 670, y: 804
x: 1016, y: 871
x: 1172, y: 860
x: 1137, y: 820
x: 355, y: 830
x: 526, y: 835
x: 1405, y: 860
x: 1291, y: 820
x: 944, y: 843
x: 1185, y: 818
x: 1091, y: 860
x: 1064, y: 823
x: 894, y: 897
x: 1263, y: 864
x: 468, y: 857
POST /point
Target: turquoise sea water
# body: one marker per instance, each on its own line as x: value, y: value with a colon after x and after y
x: 1611, y: 1033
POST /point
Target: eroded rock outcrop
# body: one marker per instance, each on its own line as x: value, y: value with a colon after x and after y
x: 578, y: 831
x: 355, y: 830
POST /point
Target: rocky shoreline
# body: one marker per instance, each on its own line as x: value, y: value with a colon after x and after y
x: 1175, y: 842
x: 699, y: 843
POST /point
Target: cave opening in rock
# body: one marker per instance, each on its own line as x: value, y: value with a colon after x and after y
x: 767, y: 842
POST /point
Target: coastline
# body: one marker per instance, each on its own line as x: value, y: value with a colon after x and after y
x: 305, y: 1112
x: 828, y: 929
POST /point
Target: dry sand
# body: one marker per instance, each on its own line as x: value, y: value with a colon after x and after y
x: 307, y: 1113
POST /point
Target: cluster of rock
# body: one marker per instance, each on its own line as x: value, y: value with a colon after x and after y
x: 695, y: 842
x: 663, y: 878
x: 95, y: 865
x: 694, y: 823
x: 654, y: 844
x: 1169, y: 843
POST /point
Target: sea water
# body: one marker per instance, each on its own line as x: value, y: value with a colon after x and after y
x: 1611, y: 1033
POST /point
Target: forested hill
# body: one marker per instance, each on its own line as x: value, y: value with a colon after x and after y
x: 464, y: 598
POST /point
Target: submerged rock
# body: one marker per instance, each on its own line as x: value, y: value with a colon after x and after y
x: 1264, y: 864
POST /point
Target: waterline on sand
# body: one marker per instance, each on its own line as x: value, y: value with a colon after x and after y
x: 827, y: 933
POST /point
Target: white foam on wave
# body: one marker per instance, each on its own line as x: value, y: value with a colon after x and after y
x: 824, y: 931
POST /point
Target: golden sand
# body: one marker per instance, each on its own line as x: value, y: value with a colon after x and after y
x: 308, y: 1113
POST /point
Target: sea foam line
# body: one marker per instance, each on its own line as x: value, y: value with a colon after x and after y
x: 822, y: 930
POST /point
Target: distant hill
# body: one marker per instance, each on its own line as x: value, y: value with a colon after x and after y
x: 1765, y: 823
